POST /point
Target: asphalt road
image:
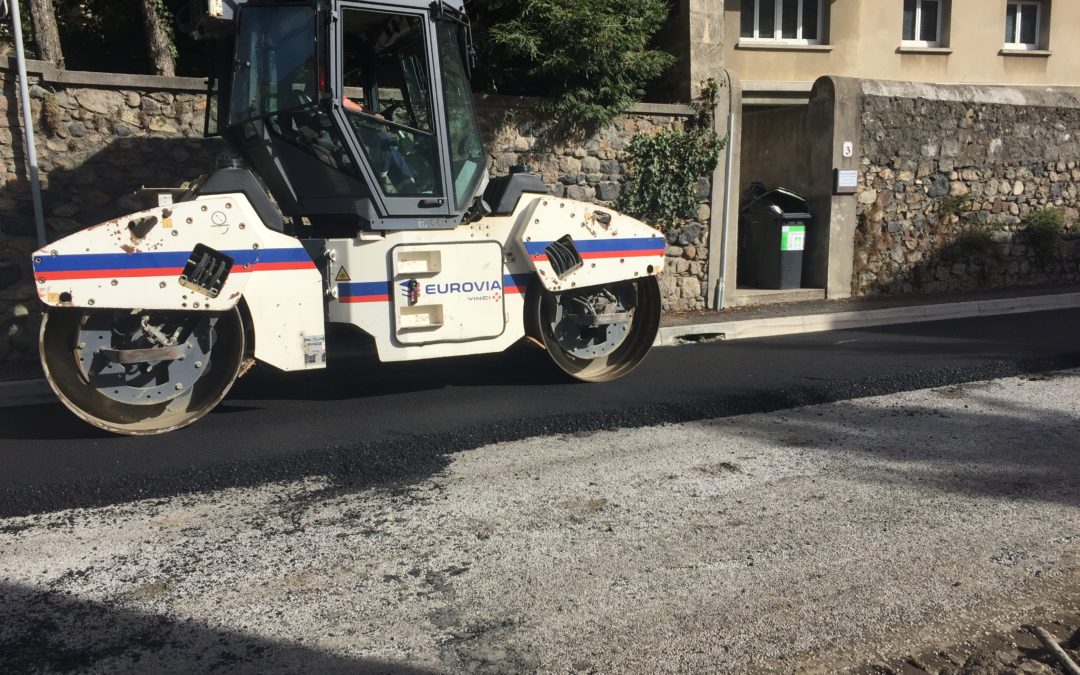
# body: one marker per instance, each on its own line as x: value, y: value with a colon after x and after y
x: 363, y: 423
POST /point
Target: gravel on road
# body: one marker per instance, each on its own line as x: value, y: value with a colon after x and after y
x: 837, y: 534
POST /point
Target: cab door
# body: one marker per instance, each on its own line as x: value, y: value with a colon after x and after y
x: 386, y: 100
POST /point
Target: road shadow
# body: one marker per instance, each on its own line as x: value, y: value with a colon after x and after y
x: 364, y: 376
x: 286, y: 426
x: 49, y: 631
x: 997, y: 449
x: 347, y: 377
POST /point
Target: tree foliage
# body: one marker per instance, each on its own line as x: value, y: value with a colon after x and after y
x: 590, y: 58
x: 111, y: 36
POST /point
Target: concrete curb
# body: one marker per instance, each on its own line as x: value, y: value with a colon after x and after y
x: 34, y: 392
x: 670, y: 336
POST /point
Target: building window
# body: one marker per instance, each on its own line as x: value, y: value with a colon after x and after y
x: 923, y: 21
x: 1023, y: 24
x: 797, y: 22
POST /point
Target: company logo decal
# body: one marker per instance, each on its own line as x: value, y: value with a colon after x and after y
x: 476, y: 291
x: 455, y: 287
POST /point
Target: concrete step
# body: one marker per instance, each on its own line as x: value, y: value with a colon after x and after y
x: 747, y: 297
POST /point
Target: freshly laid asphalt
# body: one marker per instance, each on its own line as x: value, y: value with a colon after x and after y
x: 363, y: 423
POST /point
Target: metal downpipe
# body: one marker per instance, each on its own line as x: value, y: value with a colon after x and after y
x: 726, y: 225
x: 28, y: 123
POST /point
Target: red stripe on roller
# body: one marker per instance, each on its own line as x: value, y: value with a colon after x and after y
x: 112, y: 274
x: 621, y: 254
x: 365, y: 298
x: 277, y: 267
x: 607, y: 254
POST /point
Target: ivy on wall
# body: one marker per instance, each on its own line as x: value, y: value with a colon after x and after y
x: 665, y: 168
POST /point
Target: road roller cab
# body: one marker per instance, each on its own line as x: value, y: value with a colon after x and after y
x: 356, y: 115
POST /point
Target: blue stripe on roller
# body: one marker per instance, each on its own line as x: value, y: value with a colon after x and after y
x: 518, y: 281
x: 603, y: 245
x: 361, y: 288
x: 110, y: 261
x: 82, y: 262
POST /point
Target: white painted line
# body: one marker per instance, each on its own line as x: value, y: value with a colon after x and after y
x: 670, y: 336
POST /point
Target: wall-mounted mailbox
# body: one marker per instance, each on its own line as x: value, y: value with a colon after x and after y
x: 845, y: 181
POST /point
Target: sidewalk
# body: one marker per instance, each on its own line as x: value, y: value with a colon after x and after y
x: 738, y: 323
x: 823, y: 315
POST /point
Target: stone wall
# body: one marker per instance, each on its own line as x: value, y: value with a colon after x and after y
x: 594, y: 169
x: 947, y: 179
x: 101, y: 137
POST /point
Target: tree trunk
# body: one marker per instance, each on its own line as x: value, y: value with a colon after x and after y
x: 46, y: 34
x: 157, y: 35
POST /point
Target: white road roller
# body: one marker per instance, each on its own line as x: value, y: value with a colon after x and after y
x: 358, y: 119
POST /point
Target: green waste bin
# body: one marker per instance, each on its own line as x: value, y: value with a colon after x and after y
x: 773, y: 229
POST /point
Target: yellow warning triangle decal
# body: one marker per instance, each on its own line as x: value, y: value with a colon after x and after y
x: 343, y: 275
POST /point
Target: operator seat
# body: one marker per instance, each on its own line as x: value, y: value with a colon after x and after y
x: 504, y: 192
x: 304, y: 124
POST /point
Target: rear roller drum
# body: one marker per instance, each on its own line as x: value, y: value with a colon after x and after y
x: 601, y: 333
x: 141, y: 372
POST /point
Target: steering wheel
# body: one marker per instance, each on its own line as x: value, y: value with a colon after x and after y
x: 388, y: 112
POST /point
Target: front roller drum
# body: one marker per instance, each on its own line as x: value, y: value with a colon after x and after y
x: 597, y: 334
x: 141, y: 372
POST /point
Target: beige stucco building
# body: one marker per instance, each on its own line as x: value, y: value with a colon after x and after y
x: 779, y: 47
x: 773, y: 53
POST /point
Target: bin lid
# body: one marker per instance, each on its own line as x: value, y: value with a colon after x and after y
x: 778, y: 200
x: 789, y: 201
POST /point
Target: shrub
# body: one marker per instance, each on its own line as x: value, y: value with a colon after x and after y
x: 975, y: 242
x: 665, y: 168
x: 952, y: 205
x: 1043, y: 227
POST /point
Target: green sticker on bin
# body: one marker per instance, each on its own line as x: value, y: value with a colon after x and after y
x: 792, y: 237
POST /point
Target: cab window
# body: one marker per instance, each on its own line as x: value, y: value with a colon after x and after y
x: 467, y: 159
x: 387, y: 100
x: 275, y: 62
x: 277, y: 82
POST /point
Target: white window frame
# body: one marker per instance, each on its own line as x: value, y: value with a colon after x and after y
x: 778, y: 24
x: 1038, y: 4
x: 919, y: 41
